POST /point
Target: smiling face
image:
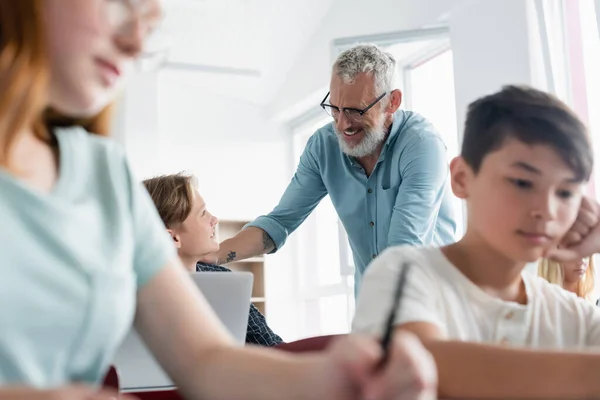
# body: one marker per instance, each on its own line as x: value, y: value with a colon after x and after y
x: 195, y: 237
x: 523, y: 199
x: 88, y: 56
x: 363, y: 137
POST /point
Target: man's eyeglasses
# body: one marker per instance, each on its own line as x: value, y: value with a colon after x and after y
x: 353, y: 114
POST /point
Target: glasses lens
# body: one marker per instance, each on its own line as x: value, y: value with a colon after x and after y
x: 115, y: 13
x: 123, y: 15
x: 330, y: 110
x: 353, y: 115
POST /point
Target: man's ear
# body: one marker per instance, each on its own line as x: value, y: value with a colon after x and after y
x: 175, y: 238
x: 460, y: 176
x: 395, y: 101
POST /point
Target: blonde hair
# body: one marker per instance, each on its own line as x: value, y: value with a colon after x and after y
x: 553, y: 272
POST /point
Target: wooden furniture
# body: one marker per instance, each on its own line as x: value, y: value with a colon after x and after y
x: 227, y: 229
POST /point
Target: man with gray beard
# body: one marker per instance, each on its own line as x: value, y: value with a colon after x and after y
x: 385, y: 170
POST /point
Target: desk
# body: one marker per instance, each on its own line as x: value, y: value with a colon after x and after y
x: 158, y: 395
x: 174, y: 395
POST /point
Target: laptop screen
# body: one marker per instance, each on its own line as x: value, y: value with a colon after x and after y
x: 228, y: 293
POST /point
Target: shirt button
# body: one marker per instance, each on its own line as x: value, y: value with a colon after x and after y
x: 510, y: 315
x: 370, y: 191
x: 372, y: 223
x: 374, y: 255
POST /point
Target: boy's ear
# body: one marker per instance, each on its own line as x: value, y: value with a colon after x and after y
x: 175, y: 238
x: 460, y: 173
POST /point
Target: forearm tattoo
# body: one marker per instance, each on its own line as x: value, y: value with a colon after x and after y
x: 268, y: 243
x: 230, y: 257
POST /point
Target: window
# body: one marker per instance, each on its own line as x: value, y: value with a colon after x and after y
x: 568, y: 33
x: 430, y: 92
x: 590, y: 37
x: 432, y: 95
x: 326, y: 293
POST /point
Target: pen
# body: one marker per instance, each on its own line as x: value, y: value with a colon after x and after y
x: 394, y: 312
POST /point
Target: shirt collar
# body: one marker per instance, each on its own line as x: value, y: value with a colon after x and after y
x: 397, y: 124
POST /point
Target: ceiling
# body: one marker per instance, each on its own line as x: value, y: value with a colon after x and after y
x: 239, y: 48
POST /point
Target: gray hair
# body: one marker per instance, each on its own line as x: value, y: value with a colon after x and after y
x: 370, y: 59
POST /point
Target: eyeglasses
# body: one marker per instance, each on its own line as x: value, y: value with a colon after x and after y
x: 124, y: 15
x: 353, y: 114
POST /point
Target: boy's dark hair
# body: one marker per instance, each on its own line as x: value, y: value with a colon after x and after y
x: 532, y: 117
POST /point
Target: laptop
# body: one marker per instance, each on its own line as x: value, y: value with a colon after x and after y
x: 228, y: 293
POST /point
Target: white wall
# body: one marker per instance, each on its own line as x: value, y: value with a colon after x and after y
x: 309, y: 77
x: 490, y: 45
x: 137, y: 123
x: 490, y: 41
x: 240, y: 160
x: 237, y: 155
x: 189, y: 112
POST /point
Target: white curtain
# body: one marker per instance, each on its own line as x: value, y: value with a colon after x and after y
x: 598, y: 14
x: 552, y: 35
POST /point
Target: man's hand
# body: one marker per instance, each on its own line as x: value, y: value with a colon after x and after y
x: 583, y: 239
x: 352, y: 372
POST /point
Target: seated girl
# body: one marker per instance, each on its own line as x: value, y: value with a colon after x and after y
x: 574, y: 276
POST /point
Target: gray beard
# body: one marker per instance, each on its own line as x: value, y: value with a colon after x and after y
x: 373, y: 138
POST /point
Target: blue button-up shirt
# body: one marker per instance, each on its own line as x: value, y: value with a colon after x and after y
x: 405, y: 200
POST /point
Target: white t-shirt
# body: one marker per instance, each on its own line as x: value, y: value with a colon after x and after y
x: 437, y: 292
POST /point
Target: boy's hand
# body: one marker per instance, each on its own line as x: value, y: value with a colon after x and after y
x: 583, y: 239
x: 350, y: 370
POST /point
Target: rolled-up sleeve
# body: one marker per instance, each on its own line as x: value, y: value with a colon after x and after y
x: 424, y: 172
x: 302, y: 195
